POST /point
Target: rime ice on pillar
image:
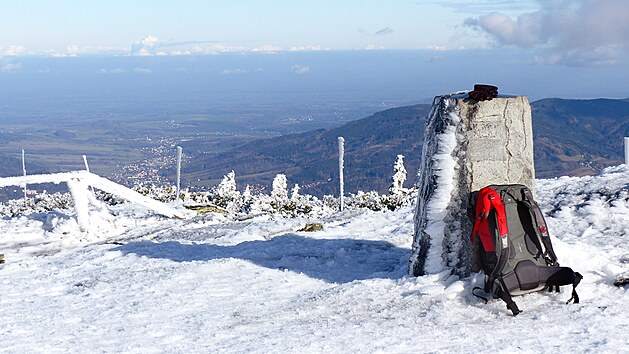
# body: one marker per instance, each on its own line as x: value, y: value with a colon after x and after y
x: 468, y: 145
x: 341, y: 168
x: 627, y: 151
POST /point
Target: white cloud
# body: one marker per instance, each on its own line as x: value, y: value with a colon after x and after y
x: 215, y: 49
x: 485, y: 6
x: 300, y: 69
x: 306, y: 48
x: 373, y: 47
x: 267, y: 48
x: 12, y: 50
x: 569, y: 32
x: 142, y: 71
x: 149, y: 45
x: 436, y: 47
x: 76, y: 50
x: 73, y: 50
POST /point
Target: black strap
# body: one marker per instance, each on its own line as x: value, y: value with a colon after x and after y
x: 503, y: 257
x: 503, y: 293
x: 575, y: 296
x: 559, y: 276
x: 542, y: 229
x: 502, y: 261
x: 537, y: 238
x: 478, y: 296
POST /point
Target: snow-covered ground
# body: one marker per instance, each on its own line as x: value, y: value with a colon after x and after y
x: 142, y: 283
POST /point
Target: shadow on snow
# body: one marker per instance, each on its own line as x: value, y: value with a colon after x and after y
x: 331, y: 260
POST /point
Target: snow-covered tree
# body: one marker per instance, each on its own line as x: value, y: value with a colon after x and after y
x: 279, y: 192
x: 226, y: 195
x: 398, y: 195
x: 227, y: 187
x: 295, y: 193
x: 399, y: 177
x: 247, y: 192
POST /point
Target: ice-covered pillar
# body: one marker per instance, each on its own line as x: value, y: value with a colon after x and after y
x: 468, y: 145
x: 627, y: 151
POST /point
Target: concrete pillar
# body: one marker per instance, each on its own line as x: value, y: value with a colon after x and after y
x: 468, y: 145
x: 499, y: 135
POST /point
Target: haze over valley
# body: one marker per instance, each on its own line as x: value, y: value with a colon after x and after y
x: 261, y: 114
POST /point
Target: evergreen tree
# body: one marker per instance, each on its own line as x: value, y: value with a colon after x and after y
x: 295, y: 193
x: 227, y: 187
x: 279, y: 192
x: 399, y: 177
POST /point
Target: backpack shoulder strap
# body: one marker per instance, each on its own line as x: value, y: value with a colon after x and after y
x: 541, y: 230
x: 488, y: 200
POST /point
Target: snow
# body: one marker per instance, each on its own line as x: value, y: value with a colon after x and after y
x: 142, y: 283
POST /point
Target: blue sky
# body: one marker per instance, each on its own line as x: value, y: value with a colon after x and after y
x: 565, y: 32
x: 581, y: 45
x: 43, y: 26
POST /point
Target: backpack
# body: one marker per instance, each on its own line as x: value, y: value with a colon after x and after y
x: 516, y: 252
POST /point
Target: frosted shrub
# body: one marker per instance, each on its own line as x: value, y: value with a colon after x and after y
x: 295, y: 193
x: 161, y: 193
x: 331, y: 202
x: 40, y: 203
x: 226, y: 195
x: 279, y: 192
x: 241, y: 205
x: 365, y: 200
x: 227, y: 187
x: 293, y: 207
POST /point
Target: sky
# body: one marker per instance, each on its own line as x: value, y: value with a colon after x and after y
x: 567, y: 32
x: 590, y: 37
x: 66, y: 25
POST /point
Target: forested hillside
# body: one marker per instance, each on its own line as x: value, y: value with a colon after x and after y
x: 311, y: 159
x: 572, y: 137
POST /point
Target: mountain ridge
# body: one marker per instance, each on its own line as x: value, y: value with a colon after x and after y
x: 592, y: 142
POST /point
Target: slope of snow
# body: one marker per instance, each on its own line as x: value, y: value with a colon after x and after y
x: 210, y: 285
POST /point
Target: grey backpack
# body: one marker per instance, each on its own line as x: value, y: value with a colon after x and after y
x: 516, y: 252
